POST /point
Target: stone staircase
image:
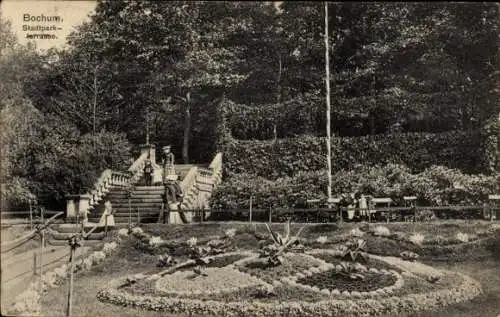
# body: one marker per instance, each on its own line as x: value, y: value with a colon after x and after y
x: 58, y: 235
x: 145, y: 203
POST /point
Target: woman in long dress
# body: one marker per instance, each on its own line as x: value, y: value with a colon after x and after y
x: 108, y: 213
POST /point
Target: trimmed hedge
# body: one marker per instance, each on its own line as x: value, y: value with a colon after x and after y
x: 293, y: 117
x: 436, y: 186
x: 288, y: 157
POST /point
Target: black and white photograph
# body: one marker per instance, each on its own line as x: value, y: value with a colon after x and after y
x: 249, y: 158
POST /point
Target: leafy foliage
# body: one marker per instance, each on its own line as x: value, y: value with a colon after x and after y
x: 437, y: 185
x: 354, y: 251
x: 289, y: 157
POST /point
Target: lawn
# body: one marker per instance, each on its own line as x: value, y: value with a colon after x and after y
x: 482, y: 262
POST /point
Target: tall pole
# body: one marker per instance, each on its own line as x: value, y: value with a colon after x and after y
x: 42, y: 249
x: 94, y: 105
x: 69, y: 305
x: 328, y: 132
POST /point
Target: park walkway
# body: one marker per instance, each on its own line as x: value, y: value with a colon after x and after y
x: 17, y: 271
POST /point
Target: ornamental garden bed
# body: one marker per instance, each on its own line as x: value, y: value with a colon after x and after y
x: 307, y: 283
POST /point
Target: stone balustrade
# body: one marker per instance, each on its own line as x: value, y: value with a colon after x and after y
x: 189, y: 180
x: 82, y: 204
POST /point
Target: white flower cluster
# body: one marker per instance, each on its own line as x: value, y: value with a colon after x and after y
x: 230, y: 233
x: 322, y: 239
x: 137, y: 230
x: 192, y: 241
x: 381, y: 231
x: 109, y: 247
x: 356, y: 232
x: 155, y: 241
x: 123, y: 232
x: 463, y: 237
x: 417, y: 238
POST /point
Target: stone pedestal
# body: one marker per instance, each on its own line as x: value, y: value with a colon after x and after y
x: 71, y: 206
x: 84, y: 207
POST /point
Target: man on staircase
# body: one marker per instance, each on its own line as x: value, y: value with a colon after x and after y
x: 148, y: 172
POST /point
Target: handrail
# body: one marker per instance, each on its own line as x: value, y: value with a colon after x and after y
x: 216, y: 163
x: 205, y: 176
x: 111, y: 178
x: 190, y: 179
x: 139, y: 163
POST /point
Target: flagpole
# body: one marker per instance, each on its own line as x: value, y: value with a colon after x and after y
x: 328, y: 131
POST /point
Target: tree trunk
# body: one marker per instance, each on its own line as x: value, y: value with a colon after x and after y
x: 94, y: 104
x: 278, y: 94
x: 187, y: 130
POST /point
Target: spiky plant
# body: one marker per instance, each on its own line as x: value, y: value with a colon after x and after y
x: 280, y: 244
x: 349, y: 270
x: 354, y: 250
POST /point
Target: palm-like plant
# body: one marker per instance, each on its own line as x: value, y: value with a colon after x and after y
x: 348, y: 270
x: 354, y: 250
x: 280, y: 244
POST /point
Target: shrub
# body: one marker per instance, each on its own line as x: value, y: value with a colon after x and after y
x: 436, y: 185
x: 109, y: 247
x: 67, y: 162
x: 425, y: 215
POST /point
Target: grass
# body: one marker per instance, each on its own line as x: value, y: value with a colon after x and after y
x: 480, y: 262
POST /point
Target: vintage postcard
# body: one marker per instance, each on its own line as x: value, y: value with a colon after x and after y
x: 260, y: 158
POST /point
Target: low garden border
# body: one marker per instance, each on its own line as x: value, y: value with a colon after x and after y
x: 351, y: 305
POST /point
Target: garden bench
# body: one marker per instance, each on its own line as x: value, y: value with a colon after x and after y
x: 490, y: 210
x: 384, y: 214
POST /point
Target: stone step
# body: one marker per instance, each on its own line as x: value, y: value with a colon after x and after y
x: 67, y: 228
x: 86, y: 243
x: 152, y: 189
x: 139, y: 202
x: 142, y: 214
x: 134, y: 196
x: 142, y: 209
x: 65, y: 236
x: 124, y: 204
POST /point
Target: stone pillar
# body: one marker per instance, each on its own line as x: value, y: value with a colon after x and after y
x: 151, y: 149
x: 84, y: 207
x: 71, y: 208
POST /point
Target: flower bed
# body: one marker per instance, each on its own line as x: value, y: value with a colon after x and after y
x: 464, y: 289
x: 333, y: 281
x: 331, y: 256
x: 216, y: 280
x: 293, y: 263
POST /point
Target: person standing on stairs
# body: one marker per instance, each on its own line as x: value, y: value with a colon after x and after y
x: 148, y: 172
x: 107, y: 218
